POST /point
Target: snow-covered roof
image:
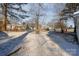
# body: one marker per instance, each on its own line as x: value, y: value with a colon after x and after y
x: 76, y: 13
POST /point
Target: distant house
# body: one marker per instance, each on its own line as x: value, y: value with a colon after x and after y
x: 11, y: 27
x: 17, y: 27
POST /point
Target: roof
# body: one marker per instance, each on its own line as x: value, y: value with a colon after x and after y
x: 76, y: 13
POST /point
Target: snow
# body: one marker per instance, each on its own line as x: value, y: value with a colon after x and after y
x: 68, y: 47
x: 75, y: 13
x: 11, y: 44
x: 41, y: 45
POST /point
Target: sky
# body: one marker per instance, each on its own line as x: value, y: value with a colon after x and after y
x: 51, y: 11
x: 70, y: 22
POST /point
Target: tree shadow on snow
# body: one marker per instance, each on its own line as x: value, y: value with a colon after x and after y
x: 70, y: 48
x: 10, y: 45
x: 3, y: 35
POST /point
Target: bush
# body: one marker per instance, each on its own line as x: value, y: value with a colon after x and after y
x: 47, y: 29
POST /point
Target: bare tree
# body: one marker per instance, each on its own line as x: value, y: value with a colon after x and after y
x: 5, y: 15
x: 60, y: 24
x: 36, y: 11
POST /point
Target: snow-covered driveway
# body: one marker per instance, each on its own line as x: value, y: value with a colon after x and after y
x: 44, y: 45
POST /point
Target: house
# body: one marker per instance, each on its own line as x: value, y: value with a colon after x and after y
x: 76, y: 15
x: 11, y: 26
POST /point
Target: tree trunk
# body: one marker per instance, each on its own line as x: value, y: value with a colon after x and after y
x: 5, y: 15
x: 37, y: 25
x: 62, y: 30
x: 75, y: 21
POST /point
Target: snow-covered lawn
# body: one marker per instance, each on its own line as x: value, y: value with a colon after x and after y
x: 12, y: 42
x: 9, y: 35
x: 15, y: 33
x: 69, y: 47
